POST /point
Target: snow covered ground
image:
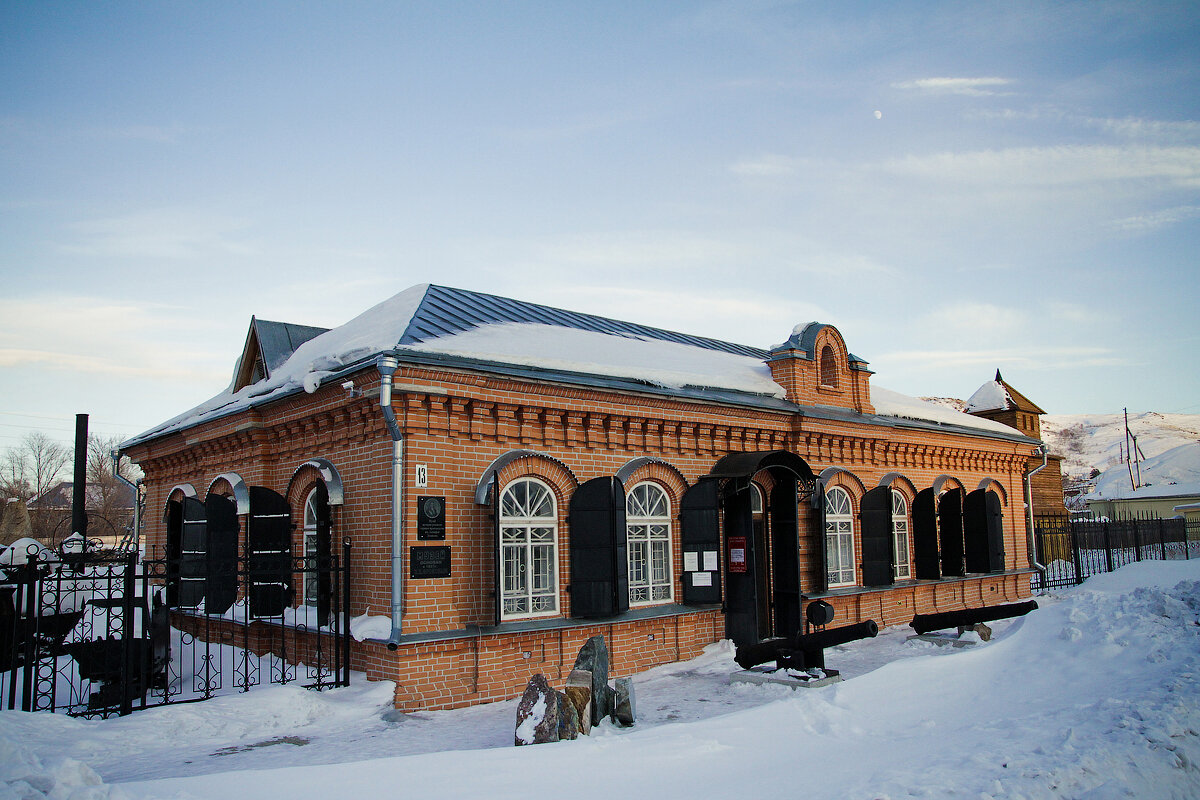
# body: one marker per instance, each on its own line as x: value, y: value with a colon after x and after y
x: 1094, y: 695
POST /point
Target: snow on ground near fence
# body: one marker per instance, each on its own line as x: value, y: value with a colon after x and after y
x: 1093, y: 696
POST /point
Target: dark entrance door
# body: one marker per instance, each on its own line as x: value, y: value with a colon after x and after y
x: 741, y: 564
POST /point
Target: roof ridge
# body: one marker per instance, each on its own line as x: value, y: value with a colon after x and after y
x: 446, y: 310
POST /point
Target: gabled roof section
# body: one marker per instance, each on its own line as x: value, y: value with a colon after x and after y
x: 268, y: 345
x: 445, y: 311
x: 998, y: 395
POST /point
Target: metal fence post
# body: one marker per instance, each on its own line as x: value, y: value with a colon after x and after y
x: 1137, y: 539
x: 1162, y: 540
x: 1108, y: 549
x: 1079, y: 576
x: 346, y: 610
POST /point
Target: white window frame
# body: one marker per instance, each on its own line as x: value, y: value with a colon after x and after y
x: 528, y: 550
x: 310, y: 548
x: 901, y: 569
x: 649, y: 544
x: 839, y: 538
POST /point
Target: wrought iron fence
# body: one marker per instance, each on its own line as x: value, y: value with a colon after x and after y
x: 99, y: 633
x: 1075, y: 549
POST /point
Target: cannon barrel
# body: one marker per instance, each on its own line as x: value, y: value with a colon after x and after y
x: 832, y: 637
x: 807, y: 647
x: 925, y: 623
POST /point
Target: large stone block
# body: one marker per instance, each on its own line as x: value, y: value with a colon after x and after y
x: 623, y: 703
x: 579, y: 693
x: 593, y: 657
x: 537, y: 713
x: 568, y: 719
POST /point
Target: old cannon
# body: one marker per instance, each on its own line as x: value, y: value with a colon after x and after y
x: 926, y: 623
x: 803, y: 651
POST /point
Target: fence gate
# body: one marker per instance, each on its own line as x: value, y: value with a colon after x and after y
x: 98, y: 633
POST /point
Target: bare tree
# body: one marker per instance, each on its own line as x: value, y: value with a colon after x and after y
x: 14, y: 475
x: 30, y: 468
x: 108, y: 496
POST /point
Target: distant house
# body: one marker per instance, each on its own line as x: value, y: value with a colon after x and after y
x: 515, y: 478
x: 1169, y: 487
x: 109, y: 506
x: 997, y: 400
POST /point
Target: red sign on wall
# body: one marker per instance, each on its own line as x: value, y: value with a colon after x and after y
x: 737, y: 553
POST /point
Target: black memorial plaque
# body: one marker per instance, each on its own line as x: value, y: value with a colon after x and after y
x: 431, y: 518
x: 429, y: 562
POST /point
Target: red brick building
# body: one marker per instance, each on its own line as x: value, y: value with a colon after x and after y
x: 516, y: 478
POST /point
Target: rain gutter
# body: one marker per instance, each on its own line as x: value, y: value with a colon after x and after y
x: 1029, y: 532
x: 387, y: 368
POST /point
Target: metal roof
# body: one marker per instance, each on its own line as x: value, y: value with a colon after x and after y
x: 278, y: 340
x: 445, y: 311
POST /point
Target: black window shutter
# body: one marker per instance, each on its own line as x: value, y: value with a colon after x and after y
x: 599, y: 566
x: 700, y: 534
x: 817, y: 530
x: 174, y: 543
x: 193, y: 554
x: 950, y: 530
x: 995, y: 535
x: 269, y: 551
x: 221, y: 590
x: 497, y: 578
x: 975, y: 534
x: 926, y: 558
x: 875, y: 522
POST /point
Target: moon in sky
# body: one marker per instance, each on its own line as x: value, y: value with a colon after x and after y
x: 878, y: 115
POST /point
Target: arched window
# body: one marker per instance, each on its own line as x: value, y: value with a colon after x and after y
x: 316, y: 509
x: 829, y: 367
x: 900, y: 534
x: 528, y: 549
x: 648, y: 521
x: 839, y: 538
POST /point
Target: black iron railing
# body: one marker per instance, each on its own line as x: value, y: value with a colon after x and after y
x: 98, y: 633
x: 1074, y: 549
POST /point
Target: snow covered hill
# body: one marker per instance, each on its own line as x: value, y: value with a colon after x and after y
x: 1097, y: 441
x: 1089, y: 442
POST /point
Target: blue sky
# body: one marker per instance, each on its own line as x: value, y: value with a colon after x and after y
x: 957, y: 187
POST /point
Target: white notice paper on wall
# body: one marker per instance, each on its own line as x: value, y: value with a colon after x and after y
x: 691, y: 562
x: 710, y: 560
x: 701, y: 579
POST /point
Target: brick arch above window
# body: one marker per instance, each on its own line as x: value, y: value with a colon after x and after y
x: 943, y: 482
x: 901, y: 484
x: 837, y: 476
x: 231, y: 484
x: 993, y: 485
x: 545, y: 468
x: 318, y: 469
x: 501, y: 466
x: 661, y: 472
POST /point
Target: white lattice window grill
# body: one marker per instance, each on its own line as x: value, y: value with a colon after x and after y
x: 528, y: 550
x: 648, y: 539
x: 900, y: 569
x: 839, y: 538
x: 310, y: 548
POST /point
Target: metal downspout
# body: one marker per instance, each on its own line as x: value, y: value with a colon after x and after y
x: 136, y: 537
x: 1032, y: 544
x: 387, y: 367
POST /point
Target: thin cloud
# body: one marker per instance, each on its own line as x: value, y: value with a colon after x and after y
x: 970, y: 87
x: 1053, y: 166
x: 161, y: 234
x: 1154, y: 220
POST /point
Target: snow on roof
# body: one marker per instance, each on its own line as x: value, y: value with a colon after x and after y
x: 440, y: 321
x: 893, y: 404
x: 1175, y: 473
x: 659, y: 363
x: 992, y: 396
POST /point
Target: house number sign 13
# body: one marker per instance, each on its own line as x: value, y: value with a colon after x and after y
x: 421, y: 476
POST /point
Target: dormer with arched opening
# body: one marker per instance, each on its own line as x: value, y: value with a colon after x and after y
x: 815, y: 367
